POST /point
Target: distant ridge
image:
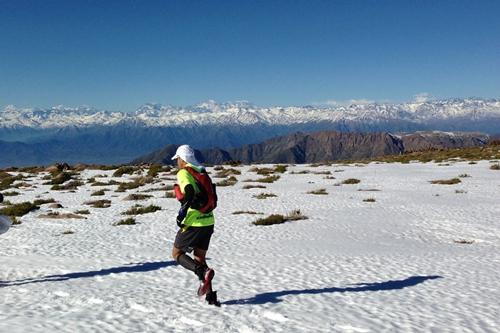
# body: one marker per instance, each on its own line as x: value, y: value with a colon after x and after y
x: 88, y: 135
x: 326, y: 146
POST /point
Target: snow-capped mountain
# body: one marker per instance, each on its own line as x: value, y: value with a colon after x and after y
x: 244, y: 113
x: 85, y: 134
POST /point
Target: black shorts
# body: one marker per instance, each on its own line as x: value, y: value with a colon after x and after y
x: 193, y: 238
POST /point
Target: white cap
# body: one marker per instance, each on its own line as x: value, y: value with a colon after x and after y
x: 186, y: 153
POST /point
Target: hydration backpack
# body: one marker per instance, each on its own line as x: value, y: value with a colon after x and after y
x: 206, y: 200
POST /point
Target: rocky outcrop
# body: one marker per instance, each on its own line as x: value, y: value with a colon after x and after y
x: 326, y: 146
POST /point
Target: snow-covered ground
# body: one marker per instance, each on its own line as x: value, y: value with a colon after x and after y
x: 399, y: 264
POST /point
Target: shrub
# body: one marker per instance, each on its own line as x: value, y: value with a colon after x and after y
x: 11, y: 194
x: 155, y: 169
x: 227, y: 172
x: 495, y: 167
x: 369, y: 200
x: 227, y: 182
x: 463, y: 241
x: 138, y: 182
x: 99, y: 203
x: 451, y: 181
x: 351, y: 181
x: 136, y: 196
x: 301, y: 172
x: 59, y: 178
x: 320, y: 191
x: 280, y: 168
x: 271, y: 219
x: 6, y: 180
x: 369, y: 190
x: 269, y: 179
x: 82, y: 212
x: 68, y: 232
x: 126, y: 169
x: 40, y: 202
x: 57, y: 215
x: 97, y: 193
x: 264, y: 195
x: 278, y: 219
x: 19, y: 209
x: 128, y: 221
x: 72, y: 185
x: 464, y: 175
x: 245, y: 212
x: 246, y: 187
x: 111, y: 182
x: 137, y: 210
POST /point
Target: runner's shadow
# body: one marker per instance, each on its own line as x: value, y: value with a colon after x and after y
x: 129, y: 268
x: 274, y: 297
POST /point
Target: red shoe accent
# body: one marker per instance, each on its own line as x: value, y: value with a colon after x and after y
x: 207, y: 282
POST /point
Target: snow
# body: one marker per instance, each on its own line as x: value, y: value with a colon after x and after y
x: 393, y: 265
x: 245, y: 113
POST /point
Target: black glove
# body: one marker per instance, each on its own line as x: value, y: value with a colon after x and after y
x: 180, y: 217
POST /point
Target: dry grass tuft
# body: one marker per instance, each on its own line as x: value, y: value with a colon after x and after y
x: 264, y: 195
x: 138, y: 210
x: 128, y: 221
x: 321, y: 191
x: 99, y: 203
x: 136, y: 197
x: 247, y: 187
x: 350, y: 181
x: 278, y: 219
x: 451, y: 181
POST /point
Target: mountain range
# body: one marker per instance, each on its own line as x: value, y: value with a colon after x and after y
x: 324, y: 146
x: 85, y: 134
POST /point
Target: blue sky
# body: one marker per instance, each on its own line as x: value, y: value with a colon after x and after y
x: 118, y: 55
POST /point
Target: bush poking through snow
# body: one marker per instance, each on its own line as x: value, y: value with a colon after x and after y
x: 40, y: 202
x: 227, y: 182
x: 155, y: 169
x: 495, y: 167
x: 269, y: 179
x: 463, y: 241
x: 351, y: 181
x: 227, y: 172
x: 280, y: 168
x: 72, y: 185
x: 138, y: 210
x: 68, y: 232
x: 239, y: 212
x: 57, y: 215
x: 246, y: 187
x: 136, y: 197
x: 98, y: 193
x: 139, y: 181
x: 369, y: 200
x: 464, y: 175
x: 129, y: 221
x: 99, y: 203
x: 11, y: 194
x: 19, y: 209
x: 321, y: 191
x: 264, y: 195
x: 278, y: 219
x: 83, y: 212
x: 451, y: 181
x: 126, y: 169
